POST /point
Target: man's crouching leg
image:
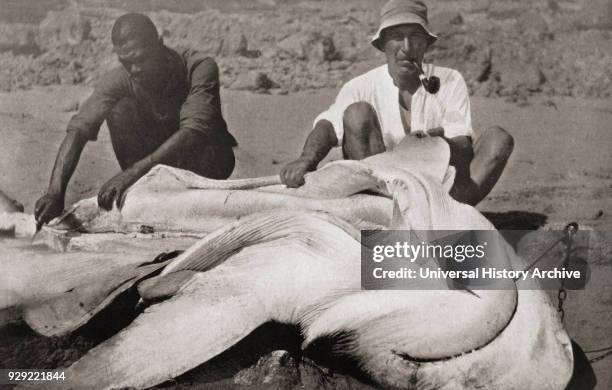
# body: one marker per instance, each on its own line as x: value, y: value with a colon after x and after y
x: 491, y: 153
x: 362, y: 133
x: 215, y: 161
x: 131, y: 140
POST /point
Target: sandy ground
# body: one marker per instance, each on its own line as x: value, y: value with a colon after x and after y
x: 560, y: 171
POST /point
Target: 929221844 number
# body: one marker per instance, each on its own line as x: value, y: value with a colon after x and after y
x: 14, y: 376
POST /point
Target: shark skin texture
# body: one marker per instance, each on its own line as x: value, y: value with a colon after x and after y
x: 301, y: 265
x: 169, y: 199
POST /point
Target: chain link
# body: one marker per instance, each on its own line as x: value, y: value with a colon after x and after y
x: 570, y: 230
x: 561, y: 296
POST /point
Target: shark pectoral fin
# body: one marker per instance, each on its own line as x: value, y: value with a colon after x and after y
x: 208, y: 315
x: 71, y: 309
x: 165, y: 286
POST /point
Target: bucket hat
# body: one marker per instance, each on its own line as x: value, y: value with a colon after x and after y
x: 396, y: 12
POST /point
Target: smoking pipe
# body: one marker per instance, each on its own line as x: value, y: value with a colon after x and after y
x: 431, y: 84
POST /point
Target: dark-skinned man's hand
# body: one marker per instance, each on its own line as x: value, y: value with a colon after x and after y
x: 113, y: 190
x: 292, y: 174
x: 49, y: 206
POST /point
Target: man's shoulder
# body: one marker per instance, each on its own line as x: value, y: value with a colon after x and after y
x: 116, y: 77
x: 194, y: 58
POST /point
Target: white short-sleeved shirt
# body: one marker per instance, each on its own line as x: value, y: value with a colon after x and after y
x: 449, y: 108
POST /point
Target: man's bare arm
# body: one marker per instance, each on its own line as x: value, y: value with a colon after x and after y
x: 168, y: 153
x: 51, y: 204
x: 461, y: 156
x: 461, y: 153
x: 66, y: 162
x: 318, y: 144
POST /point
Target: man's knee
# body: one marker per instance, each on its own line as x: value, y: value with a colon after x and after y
x: 225, y: 162
x: 499, y: 143
x: 214, y: 161
x: 360, y: 119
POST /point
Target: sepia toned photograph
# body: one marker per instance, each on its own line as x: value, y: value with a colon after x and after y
x: 306, y: 194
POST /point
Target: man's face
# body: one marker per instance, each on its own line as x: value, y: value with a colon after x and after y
x: 144, y: 61
x: 403, y: 45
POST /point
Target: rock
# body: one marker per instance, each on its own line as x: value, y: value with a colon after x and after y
x: 278, y: 369
x: 457, y: 20
x: 293, y: 45
x: 299, y: 44
x: 550, y: 103
x: 48, y: 76
x: 69, y: 76
x: 65, y: 27
x: 534, y: 78
x: 252, y: 81
x: 484, y: 68
x: 18, y: 38
x: 480, y: 89
x: 313, y: 47
x: 244, y: 81
x: 327, y: 50
x: 513, y: 75
x: 480, y: 67
x: 446, y: 21
x: 262, y: 81
x: 234, y: 43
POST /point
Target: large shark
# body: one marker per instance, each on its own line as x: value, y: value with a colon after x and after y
x: 269, y: 257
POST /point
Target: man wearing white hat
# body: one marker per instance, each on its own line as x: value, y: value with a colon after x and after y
x: 375, y: 111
